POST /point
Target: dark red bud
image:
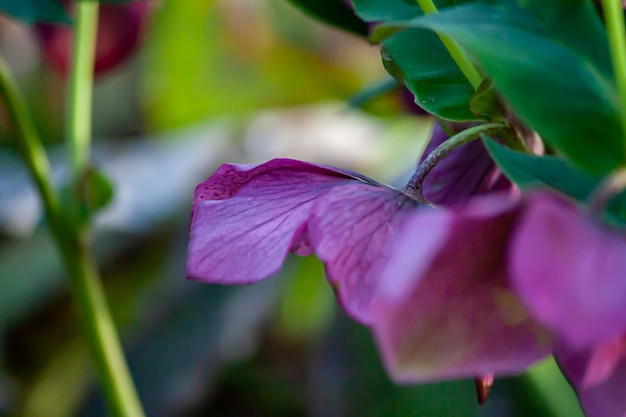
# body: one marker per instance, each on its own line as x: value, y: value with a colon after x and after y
x: 120, y: 28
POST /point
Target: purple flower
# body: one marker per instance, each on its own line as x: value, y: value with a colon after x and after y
x: 466, y: 172
x: 247, y: 218
x: 599, y: 376
x: 488, y: 285
x: 441, y: 309
x: 570, y: 271
x: 444, y: 307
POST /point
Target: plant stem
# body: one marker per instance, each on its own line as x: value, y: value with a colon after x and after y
x: 29, y: 145
x: 414, y: 187
x: 97, y: 321
x: 457, y: 54
x: 106, y: 350
x: 614, y: 16
x: 85, y: 282
x: 78, y: 116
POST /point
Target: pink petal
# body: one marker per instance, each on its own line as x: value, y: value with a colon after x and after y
x: 599, y: 396
x: 351, y: 231
x: 444, y: 309
x: 570, y: 272
x: 466, y: 172
x: 247, y: 218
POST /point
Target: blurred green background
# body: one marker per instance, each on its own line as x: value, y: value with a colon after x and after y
x: 214, y: 81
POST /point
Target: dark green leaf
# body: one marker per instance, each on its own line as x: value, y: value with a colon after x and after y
x: 486, y: 104
x: 430, y: 73
x: 574, y: 23
x: 377, y: 11
x: 333, y: 12
x: 383, y: 10
x: 553, y: 85
x: 419, y: 59
x: 96, y: 190
x: 532, y: 171
x: 32, y: 11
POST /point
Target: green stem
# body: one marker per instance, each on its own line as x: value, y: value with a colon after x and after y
x: 457, y: 54
x: 78, y: 120
x: 85, y: 285
x: 29, y: 145
x: 106, y: 350
x: 614, y: 15
x: 85, y: 282
x: 414, y: 187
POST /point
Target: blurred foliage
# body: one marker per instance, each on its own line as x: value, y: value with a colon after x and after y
x: 31, y: 11
x: 241, y: 56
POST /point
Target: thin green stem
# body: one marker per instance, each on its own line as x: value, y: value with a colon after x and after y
x: 85, y: 282
x: 414, y: 187
x: 614, y: 16
x: 78, y: 120
x: 29, y: 145
x: 113, y: 373
x: 455, y: 51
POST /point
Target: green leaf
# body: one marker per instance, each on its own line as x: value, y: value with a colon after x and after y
x: 333, y: 12
x: 419, y: 59
x: 486, y: 104
x: 96, y: 190
x: 32, y: 11
x: 383, y: 10
x: 430, y: 73
x: 377, y: 11
x: 577, y: 26
x: 558, y: 88
x: 532, y: 171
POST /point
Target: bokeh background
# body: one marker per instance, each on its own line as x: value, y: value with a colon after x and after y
x: 213, y: 82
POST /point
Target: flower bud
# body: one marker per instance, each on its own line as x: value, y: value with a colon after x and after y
x: 120, y: 28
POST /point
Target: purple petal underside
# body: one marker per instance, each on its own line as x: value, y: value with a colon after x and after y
x: 247, y: 218
x: 444, y: 309
x: 598, y: 376
x: 351, y: 231
x: 569, y: 271
x: 466, y: 172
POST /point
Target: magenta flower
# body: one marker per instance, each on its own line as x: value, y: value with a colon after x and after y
x: 570, y: 271
x: 599, y: 376
x: 247, y: 218
x: 449, y: 182
x: 434, y: 287
x: 490, y: 283
x: 444, y: 307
